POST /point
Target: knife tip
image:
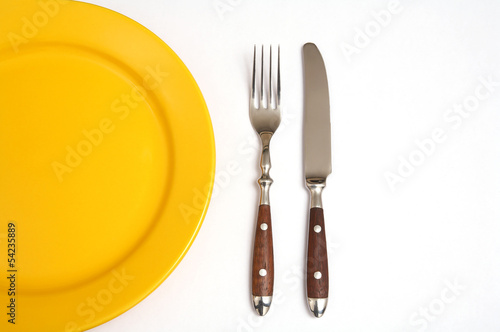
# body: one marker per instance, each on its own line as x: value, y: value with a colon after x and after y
x: 309, y: 44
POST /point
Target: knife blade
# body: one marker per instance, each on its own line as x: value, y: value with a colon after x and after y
x: 317, y: 167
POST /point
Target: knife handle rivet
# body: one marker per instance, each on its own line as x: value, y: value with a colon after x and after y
x: 317, y: 228
x: 262, y: 272
x: 263, y: 226
x: 317, y: 275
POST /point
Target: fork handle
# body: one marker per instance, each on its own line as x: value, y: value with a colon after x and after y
x: 263, y: 262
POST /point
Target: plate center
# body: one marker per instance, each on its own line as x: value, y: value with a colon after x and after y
x: 84, y: 165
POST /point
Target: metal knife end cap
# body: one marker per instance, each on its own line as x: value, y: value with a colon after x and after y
x: 262, y: 304
x: 317, y: 306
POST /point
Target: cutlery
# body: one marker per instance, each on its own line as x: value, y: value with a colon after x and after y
x: 265, y: 116
x: 317, y: 166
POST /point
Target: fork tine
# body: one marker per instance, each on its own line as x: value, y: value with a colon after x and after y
x: 270, y: 95
x: 262, y: 78
x: 279, y: 79
x: 252, y: 93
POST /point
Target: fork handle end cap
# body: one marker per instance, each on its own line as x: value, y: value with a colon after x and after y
x: 262, y: 304
x: 317, y: 306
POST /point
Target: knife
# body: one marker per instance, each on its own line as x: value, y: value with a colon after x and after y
x: 317, y: 166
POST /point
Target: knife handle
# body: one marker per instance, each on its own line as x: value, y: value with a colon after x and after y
x: 317, y: 257
x: 263, y: 262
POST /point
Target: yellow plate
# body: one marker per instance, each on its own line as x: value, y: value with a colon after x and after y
x: 106, y: 164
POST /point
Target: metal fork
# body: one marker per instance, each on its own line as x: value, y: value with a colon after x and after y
x: 265, y: 119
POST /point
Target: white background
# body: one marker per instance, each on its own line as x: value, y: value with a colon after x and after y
x: 392, y: 253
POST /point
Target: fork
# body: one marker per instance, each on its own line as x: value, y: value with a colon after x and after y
x: 265, y: 119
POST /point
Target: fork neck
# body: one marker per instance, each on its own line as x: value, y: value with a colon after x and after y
x: 265, y: 180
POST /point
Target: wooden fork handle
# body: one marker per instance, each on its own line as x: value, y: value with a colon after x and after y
x: 263, y: 261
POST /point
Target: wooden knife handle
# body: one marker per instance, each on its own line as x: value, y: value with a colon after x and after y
x: 317, y: 259
x: 263, y: 262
